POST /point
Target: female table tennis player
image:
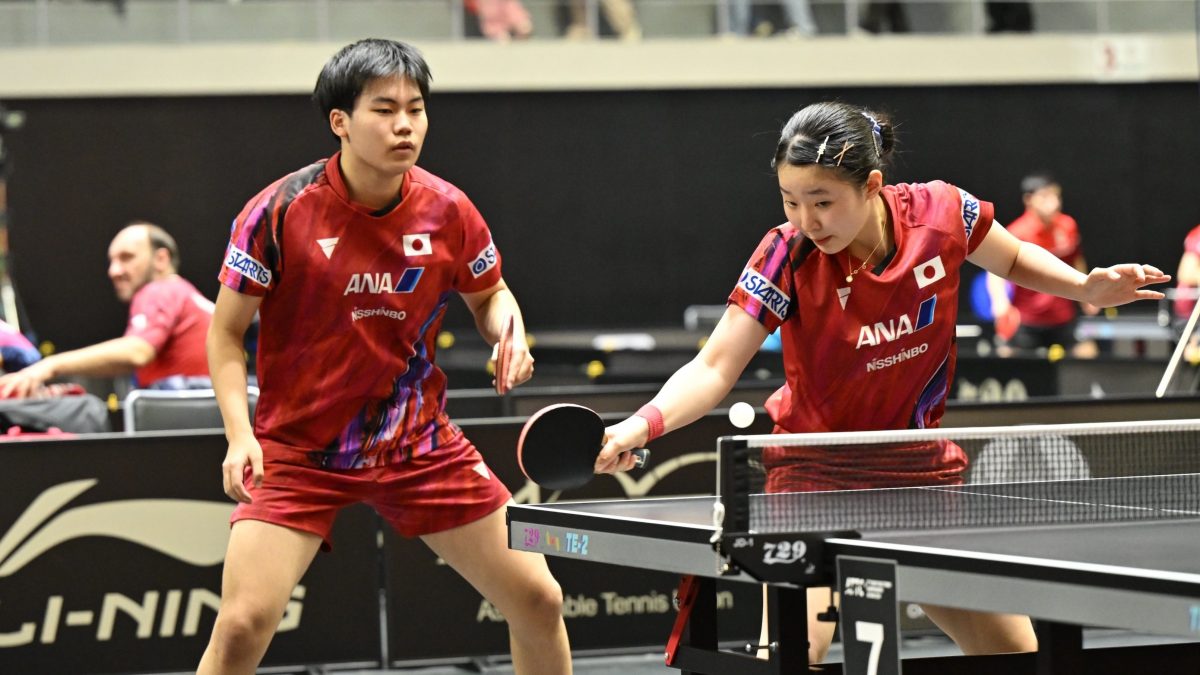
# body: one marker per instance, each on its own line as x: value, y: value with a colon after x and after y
x: 863, y: 278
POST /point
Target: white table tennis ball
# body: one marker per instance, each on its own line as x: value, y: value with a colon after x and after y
x: 741, y: 414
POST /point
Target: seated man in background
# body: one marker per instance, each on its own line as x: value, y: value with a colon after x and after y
x: 163, y: 345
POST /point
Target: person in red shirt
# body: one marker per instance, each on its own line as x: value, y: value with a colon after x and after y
x: 1045, y: 319
x: 351, y: 263
x: 1187, y: 280
x: 163, y: 345
x: 863, y: 278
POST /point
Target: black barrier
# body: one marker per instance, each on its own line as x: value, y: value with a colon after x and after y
x: 606, y: 607
x: 110, y: 552
x: 110, y: 562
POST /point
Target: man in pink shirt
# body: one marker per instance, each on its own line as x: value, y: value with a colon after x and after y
x: 163, y: 343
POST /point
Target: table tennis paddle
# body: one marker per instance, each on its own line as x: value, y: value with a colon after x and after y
x: 559, y: 443
x: 504, y: 356
x: 1007, y: 323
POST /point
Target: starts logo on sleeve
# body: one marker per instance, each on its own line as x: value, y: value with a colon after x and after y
x: 244, y: 264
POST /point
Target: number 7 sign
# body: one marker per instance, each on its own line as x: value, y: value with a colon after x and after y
x: 869, y: 617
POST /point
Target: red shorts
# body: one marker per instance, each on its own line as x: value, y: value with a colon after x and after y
x: 433, y: 492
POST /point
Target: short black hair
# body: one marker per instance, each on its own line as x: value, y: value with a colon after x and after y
x: 347, y: 73
x: 1036, y: 181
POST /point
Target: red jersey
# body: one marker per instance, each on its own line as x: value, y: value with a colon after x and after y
x: 173, y: 317
x: 1062, y: 239
x: 1191, y: 244
x: 878, y: 352
x: 352, y: 304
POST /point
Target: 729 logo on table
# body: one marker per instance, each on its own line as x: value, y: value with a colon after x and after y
x: 783, y: 552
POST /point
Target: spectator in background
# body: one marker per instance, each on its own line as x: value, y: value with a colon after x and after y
x: 1045, y: 320
x: 501, y: 20
x: 1009, y: 16
x: 620, y: 15
x: 16, y: 351
x: 798, y: 14
x: 1188, y: 284
x: 163, y: 345
x: 880, y: 17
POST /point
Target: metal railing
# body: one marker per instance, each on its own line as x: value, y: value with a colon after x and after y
x: 71, y: 22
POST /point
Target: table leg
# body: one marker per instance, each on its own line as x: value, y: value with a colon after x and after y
x: 1060, y: 648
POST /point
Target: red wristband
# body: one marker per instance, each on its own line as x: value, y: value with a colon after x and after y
x: 654, y: 419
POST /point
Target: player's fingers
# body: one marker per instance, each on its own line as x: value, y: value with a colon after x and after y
x: 234, y: 470
x: 226, y: 485
x: 256, y: 469
x: 606, y: 460
x: 231, y: 480
x: 1149, y: 295
x: 18, y: 389
x: 522, y: 370
x: 628, y: 461
x: 611, y: 466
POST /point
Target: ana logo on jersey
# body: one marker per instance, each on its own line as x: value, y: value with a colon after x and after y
x: 483, y: 262
x: 929, y: 271
x: 894, y: 329
x: 241, y: 262
x: 970, y: 211
x: 376, y: 283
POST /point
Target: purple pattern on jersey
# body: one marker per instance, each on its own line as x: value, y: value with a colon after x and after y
x: 773, y: 269
x: 932, y: 396
x: 378, y: 423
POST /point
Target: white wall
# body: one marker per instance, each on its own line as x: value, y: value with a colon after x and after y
x: 237, y: 68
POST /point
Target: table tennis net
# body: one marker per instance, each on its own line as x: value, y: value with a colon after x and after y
x: 961, y: 478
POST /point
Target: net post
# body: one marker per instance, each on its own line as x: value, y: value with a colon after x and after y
x: 732, y: 488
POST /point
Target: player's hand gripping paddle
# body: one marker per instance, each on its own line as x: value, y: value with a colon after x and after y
x: 504, y: 356
x: 558, y: 446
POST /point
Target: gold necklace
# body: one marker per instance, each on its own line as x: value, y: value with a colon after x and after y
x: 863, y: 266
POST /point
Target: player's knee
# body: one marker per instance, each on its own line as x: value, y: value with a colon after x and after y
x: 1019, y: 642
x: 241, y: 630
x: 542, y: 606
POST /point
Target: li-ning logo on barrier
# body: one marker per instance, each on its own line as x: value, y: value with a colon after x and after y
x: 191, y: 531
x: 153, y: 523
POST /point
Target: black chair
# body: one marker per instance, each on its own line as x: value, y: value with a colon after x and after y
x: 158, y: 410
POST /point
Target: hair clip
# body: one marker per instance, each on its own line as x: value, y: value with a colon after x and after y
x: 876, y: 132
x: 821, y: 150
x: 846, y: 145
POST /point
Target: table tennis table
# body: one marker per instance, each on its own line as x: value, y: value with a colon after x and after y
x: 1139, y: 571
